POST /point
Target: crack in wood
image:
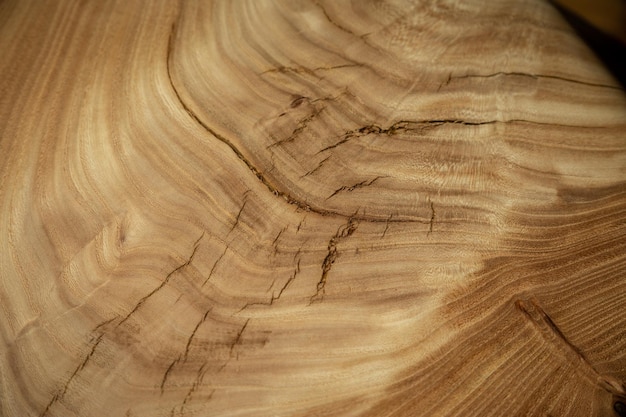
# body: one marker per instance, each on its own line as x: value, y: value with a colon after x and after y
x: 238, y: 338
x: 167, y: 373
x: 319, y: 166
x: 198, y: 381
x: 164, y: 282
x: 275, y: 297
x: 400, y: 126
x: 301, y: 69
x: 238, y: 217
x: 432, y: 219
x: 257, y: 173
x: 353, y: 187
x: 193, y: 334
x: 529, y: 75
x: 343, y: 232
x: 59, y: 396
x: 553, y: 335
x: 214, y: 266
x: 300, y: 127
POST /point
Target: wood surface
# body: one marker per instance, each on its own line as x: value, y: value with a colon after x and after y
x: 308, y: 208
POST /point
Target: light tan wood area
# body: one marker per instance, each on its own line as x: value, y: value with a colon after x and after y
x: 300, y: 208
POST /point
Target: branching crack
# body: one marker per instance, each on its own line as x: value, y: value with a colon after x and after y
x: 164, y: 282
x: 275, y: 241
x: 343, y: 232
x: 333, y: 22
x: 309, y: 71
x: 553, y: 335
x: 524, y: 74
x: 354, y: 187
x: 399, y: 127
x: 289, y: 199
x: 276, y: 296
x: 300, y: 127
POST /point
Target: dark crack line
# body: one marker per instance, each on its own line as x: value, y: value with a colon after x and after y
x: 199, y: 378
x: 238, y: 338
x: 235, y: 342
x: 238, y: 217
x: 409, y: 126
x: 354, y: 187
x: 167, y: 373
x: 214, y: 267
x: 432, y: 219
x: 193, y: 334
x: 523, y: 74
x: 104, y: 323
x: 59, y: 396
x: 301, y: 69
x: 275, y: 242
x: 398, y: 127
x: 258, y: 174
x: 342, y: 233
x: 164, y: 282
x: 300, y: 127
x: 332, y: 21
x: 553, y: 335
x: 275, y: 297
x: 386, y: 226
x: 319, y: 166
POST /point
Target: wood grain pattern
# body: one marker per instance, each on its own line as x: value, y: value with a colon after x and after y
x: 308, y: 208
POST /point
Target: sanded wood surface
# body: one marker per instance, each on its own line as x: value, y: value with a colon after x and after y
x: 308, y: 208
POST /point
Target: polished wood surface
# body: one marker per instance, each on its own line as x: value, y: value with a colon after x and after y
x: 308, y: 208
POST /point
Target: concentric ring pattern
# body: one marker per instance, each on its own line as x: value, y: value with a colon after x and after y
x: 308, y: 208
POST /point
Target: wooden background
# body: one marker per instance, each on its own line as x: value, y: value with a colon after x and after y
x: 308, y: 208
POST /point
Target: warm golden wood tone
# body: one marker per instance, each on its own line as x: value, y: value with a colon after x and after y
x: 302, y: 208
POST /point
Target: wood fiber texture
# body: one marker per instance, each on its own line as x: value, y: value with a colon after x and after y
x: 308, y: 208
